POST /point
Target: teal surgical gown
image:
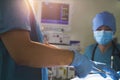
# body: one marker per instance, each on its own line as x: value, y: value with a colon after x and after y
x: 14, y: 15
x: 104, y: 57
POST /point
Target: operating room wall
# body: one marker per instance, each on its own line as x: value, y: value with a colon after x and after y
x: 81, y: 15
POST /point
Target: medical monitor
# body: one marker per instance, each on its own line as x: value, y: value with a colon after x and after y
x: 55, y: 13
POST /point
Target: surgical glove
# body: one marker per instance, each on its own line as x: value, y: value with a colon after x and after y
x: 81, y: 64
x: 118, y: 72
x: 112, y: 73
x: 105, y: 70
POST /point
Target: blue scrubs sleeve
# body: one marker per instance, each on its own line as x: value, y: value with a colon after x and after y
x: 14, y: 14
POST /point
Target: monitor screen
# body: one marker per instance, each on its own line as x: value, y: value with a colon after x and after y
x: 56, y: 13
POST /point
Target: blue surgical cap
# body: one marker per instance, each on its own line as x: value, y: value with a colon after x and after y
x: 104, y: 19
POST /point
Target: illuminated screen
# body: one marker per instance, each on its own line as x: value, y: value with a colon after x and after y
x: 56, y: 13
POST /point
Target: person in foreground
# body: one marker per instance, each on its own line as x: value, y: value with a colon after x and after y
x: 105, y: 50
x: 17, y: 48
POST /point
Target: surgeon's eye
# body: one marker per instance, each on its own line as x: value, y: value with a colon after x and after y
x: 108, y: 29
x: 99, y: 29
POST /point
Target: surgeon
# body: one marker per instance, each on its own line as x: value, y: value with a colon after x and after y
x: 20, y: 57
x: 105, y: 50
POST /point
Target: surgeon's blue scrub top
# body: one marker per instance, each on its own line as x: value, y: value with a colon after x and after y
x: 14, y: 15
x: 104, y: 57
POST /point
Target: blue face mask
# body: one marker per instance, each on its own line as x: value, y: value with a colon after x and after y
x: 103, y: 37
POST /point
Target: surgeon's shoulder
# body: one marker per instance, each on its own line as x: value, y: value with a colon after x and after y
x: 89, y: 50
x: 91, y: 46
